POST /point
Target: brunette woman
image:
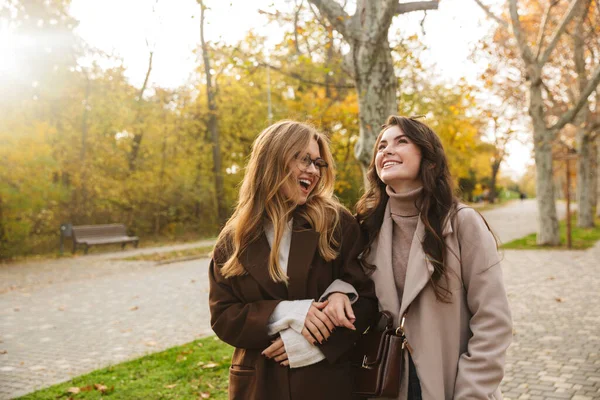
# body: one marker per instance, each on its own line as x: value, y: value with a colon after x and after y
x: 288, y: 244
x: 436, y: 263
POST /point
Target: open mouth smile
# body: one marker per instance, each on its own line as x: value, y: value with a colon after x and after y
x: 305, y: 185
x: 390, y: 163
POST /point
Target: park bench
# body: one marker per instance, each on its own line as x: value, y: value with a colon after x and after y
x: 89, y: 235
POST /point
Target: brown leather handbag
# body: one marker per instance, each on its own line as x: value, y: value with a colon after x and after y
x: 377, y: 359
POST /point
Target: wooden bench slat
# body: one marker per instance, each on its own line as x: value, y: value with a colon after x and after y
x: 88, y: 235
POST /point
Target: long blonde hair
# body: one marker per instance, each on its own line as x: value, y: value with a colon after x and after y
x: 261, y: 197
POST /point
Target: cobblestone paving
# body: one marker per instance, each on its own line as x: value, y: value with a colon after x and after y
x: 56, y: 331
x: 555, y: 301
x: 66, y: 317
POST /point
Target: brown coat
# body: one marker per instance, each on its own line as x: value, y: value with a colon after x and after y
x: 458, y: 348
x: 241, y: 306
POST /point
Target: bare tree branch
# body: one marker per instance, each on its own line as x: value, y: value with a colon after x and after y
x: 335, y: 14
x: 558, y: 32
x: 385, y: 20
x: 296, y: 16
x: 490, y: 14
x: 145, y: 84
x: 542, y: 31
x: 569, y: 115
x: 519, y: 34
x: 298, y: 77
x: 403, y: 8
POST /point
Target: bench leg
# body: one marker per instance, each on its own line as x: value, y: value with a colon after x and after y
x: 123, y: 246
x: 135, y: 244
x: 74, y: 247
x: 86, y: 248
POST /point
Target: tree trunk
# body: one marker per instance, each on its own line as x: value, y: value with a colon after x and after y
x: 376, y: 86
x: 597, y: 176
x: 3, y: 239
x: 585, y: 206
x: 370, y: 60
x: 585, y: 216
x: 493, y: 179
x: 213, y: 128
x: 138, y: 134
x: 81, y: 206
x: 593, y: 174
x: 548, y: 232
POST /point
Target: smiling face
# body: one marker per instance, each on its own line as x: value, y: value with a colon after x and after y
x: 398, y: 160
x: 304, y: 178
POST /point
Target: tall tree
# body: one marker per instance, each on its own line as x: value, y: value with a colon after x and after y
x: 370, y: 60
x: 212, y: 124
x: 534, y: 60
x: 584, y: 136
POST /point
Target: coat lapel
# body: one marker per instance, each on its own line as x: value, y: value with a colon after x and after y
x: 255, y: 260
x: 419, y: 269
x: 383, y: 276
x: 302, y: 250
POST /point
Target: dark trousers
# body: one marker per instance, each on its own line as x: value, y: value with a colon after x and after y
x: 414, y: 385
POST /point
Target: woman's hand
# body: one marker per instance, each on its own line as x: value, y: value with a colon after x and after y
x: 339, y: 310
x: 276, y: 352
x: 317, y: 325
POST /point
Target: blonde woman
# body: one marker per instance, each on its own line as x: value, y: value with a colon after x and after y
x: 288, y: 244
x: 436, y: 262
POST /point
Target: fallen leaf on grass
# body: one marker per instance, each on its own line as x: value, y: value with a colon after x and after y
x: 210, y: 365
x: 73, y: 390
x: 200, y: 345
x: 181, y: 358
x: 210, y: 385
x: 100, y: 387
x: 204, y: 395
x: 170, y: 386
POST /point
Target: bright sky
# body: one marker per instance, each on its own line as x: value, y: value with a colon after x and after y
x: 122, y: 28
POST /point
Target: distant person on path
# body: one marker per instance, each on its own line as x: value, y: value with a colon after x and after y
x: 289, y: 245
x: 522, y: 196
x: 435, y: 262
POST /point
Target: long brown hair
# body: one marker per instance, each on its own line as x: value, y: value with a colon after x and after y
x: 261, y: 198
x: 436, y: 206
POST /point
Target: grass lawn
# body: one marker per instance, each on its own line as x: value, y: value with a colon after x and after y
x: 583, y: 238
x: 197, y: 370
x: 170, y: 255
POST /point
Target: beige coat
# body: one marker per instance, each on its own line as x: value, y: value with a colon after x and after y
x: 458, y: 348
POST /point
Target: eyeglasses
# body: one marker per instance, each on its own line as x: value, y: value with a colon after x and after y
x: 305, y: 162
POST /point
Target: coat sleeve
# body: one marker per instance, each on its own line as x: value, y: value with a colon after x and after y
x: 351, y: 271
x: 237, y: 323
x: 481, y: 367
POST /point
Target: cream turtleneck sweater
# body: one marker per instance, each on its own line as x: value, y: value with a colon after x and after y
x: 405, y: 214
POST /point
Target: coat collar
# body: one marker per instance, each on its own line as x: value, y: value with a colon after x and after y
x: 255, y: 260
x: 302, y: 250
x: 418, y: 270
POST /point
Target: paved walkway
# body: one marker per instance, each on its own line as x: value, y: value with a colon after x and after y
x: 62, y: 318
